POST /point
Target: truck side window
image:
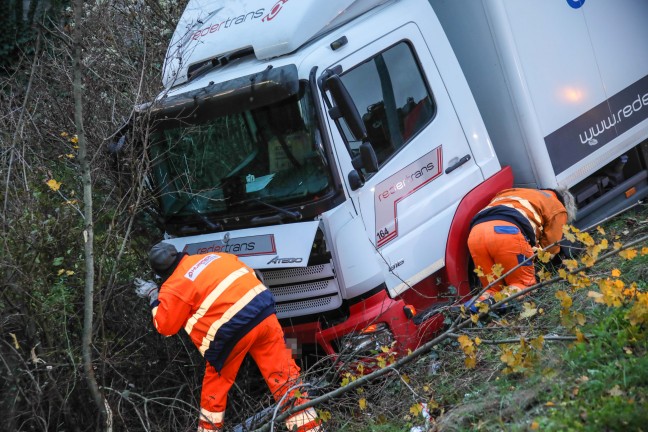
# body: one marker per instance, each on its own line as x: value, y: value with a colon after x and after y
x: 392, y: 98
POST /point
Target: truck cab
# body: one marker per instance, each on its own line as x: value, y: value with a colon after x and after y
x: 346, y: 217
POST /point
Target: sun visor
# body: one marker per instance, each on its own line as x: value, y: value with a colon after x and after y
x: 278, y: 246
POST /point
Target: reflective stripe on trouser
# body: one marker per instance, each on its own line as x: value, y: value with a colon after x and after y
x: 500, y: 242
x: 210, y: 420
x: 304, y: 421
x: 265, y: 343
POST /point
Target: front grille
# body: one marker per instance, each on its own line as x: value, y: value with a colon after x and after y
x: 297, y: 274
x: 303, y: 291
x: 308, y: 307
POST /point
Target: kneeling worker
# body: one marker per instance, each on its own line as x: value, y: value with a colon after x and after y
x: 505, y: 231
x: 227, y: 313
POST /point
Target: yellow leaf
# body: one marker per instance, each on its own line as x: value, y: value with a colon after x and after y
x: 15, y: 341
x: 382, y: 362
x: 479, y: 272
x: 363, y: 404
x: 69, y: 156
x: 384, y: 349
x: 585, y: 238
x: 567, y: 233
x: 470, y: 362
x: 600, y: 230
x: 478, y: 341
x: 529, y: 310
x: 54, y: 185
x: 571, y: 264
x: 616, y: 272
x: 550, y: 404
x: 588, y: 260
x: 565, y: 299
x: 64, y: 134
x: 324, y: 415
x: 543, y: 275
x: 297, y: 394
x: 74, y: 139
x: 638, y: 313
x: 405, y: 378
x: 580, y: 337
x: 464, y: 341
x: 617, y: 245
x: 644, y: 250
x: 426, y: 388
x: 537, y: 343
x: 474, y: 318
x: 499, y: 296
x: 360, y: 368
x: 60, y: 272
x: 482, y: 307
x: 507, y: 357
x: 535, y: 425
x: 497, y: 270
x: 416, y: 409
x: 562, y: 273
x: 544, y: 256
x: 628, y: 254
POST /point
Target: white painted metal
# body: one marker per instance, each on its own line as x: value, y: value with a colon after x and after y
x: 534, y: 67
x: 212, y: 28
x: 280, y: 246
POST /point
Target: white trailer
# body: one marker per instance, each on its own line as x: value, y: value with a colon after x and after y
x: 563, y: 89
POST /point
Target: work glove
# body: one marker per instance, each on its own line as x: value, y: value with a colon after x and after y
x: 472, y: 306
x: 146, y: 289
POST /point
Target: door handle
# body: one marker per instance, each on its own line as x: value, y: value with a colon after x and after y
x: 460, y: 162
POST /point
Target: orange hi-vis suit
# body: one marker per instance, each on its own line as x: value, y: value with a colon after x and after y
x: 505, y: 231
x: 227, y: 312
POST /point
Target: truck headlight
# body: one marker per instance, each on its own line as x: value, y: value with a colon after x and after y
x: 367, y: 342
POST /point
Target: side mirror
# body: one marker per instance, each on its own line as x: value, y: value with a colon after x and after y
x: 355, y: 180
x: 367, y: 159
x: 345, y: 108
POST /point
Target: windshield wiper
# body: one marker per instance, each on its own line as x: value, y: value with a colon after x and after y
x: 282, y: 213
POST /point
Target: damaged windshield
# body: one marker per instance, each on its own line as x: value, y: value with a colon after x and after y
x: 271, y: 154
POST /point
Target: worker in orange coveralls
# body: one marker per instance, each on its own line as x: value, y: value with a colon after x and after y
x: 505, y: 232
x: 227, y: 313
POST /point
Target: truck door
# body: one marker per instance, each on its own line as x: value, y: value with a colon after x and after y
x: 425, y: 163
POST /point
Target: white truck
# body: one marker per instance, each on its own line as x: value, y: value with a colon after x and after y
x: 341, y: 147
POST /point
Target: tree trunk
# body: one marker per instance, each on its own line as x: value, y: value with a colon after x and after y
x: 88, y: 232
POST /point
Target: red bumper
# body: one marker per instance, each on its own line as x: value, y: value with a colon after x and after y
x: 372, y: 310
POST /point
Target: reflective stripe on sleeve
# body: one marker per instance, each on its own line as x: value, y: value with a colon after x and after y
x: 231, y: 312
x: 154, y: 313
x: 211, y: 298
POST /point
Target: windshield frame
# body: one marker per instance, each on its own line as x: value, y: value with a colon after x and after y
x: 251, y: 211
